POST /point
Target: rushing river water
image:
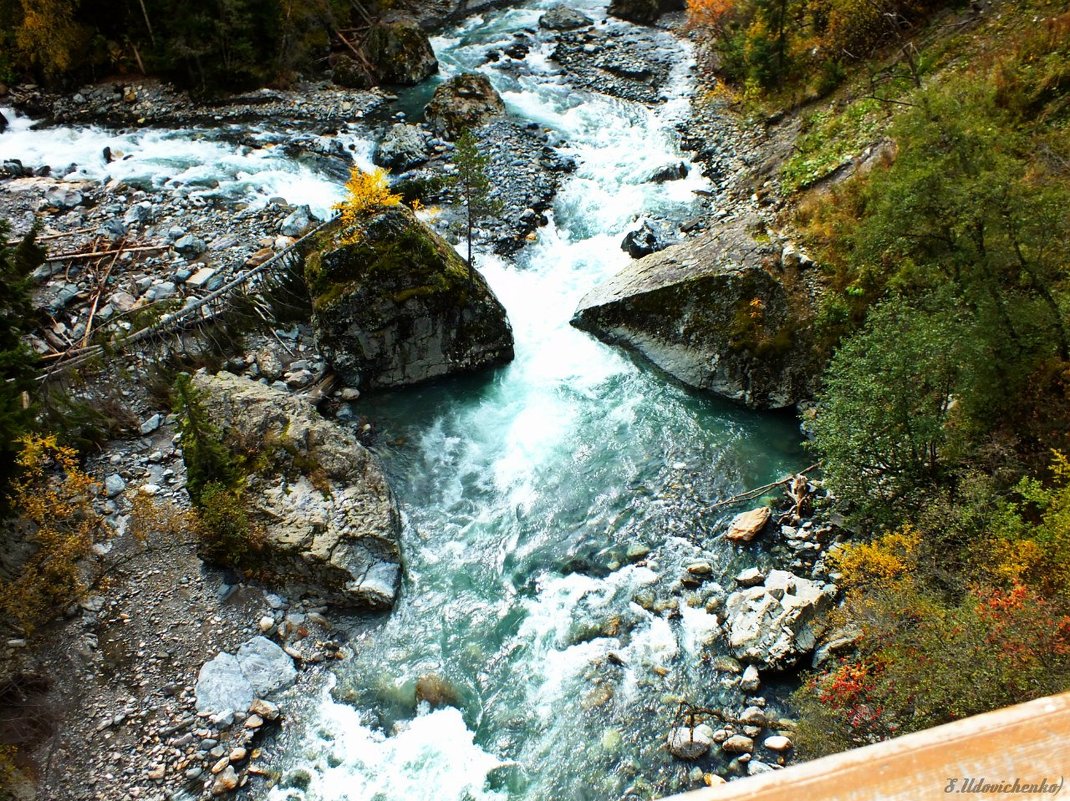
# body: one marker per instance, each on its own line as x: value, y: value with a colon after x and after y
x: 523, y: 491
x: 530, y: 494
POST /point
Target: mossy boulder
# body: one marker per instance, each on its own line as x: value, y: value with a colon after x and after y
x: 643, y: 12
x: 345, y: 71
x: 394, y: 305
x: 462, y: 103
x: 329, y: 520
x: 720, y: 313
x: 401, y: 53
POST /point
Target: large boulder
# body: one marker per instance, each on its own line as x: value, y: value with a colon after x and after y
x: 347, y: 72
x: 330, y: 521
x: 230, y: 683
x: 719, y: 312
x: 3, y: 123
x: 643, y: 12
x: 773, y: 625
x: 563, y: 18
x: 401, y: 53
x: 463, y: 102
x: 395, y: 305
x: 401, y: 148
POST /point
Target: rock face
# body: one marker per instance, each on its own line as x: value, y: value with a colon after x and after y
x: 560, y: 18
x: 398, y: 307
x: 402, y: 148
x: 463, y: 102
x: 401, y: 53
x: 773, y: 625
x: 643, y: 12
x: 337, y: 537
x: 713, y: 313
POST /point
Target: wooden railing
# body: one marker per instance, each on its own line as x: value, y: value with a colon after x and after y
x: 971, y: 758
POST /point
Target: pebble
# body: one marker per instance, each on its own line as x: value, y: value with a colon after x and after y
x: 738, y: 744
x: 225, y: 782
x: 777, y: 742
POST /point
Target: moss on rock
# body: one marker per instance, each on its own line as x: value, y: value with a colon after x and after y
x: 394, y: 304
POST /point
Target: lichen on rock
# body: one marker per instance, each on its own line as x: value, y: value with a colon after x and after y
x: 330, y: 521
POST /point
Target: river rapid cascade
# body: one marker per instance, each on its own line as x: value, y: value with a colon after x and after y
x: 551, y: 507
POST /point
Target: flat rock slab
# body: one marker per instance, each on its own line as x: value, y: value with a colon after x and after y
x: 230, y: 683
x: 748, y: 525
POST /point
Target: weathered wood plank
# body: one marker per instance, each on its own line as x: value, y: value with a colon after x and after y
x: 1029, y: 742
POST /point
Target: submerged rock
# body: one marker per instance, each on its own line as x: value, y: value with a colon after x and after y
x: 401, y: 53
x: 398, y: 306
x: 463, y: 102
x: 713, y: 313
x: 436, y: 691
x: 774, y: 625
x: 330, y: 521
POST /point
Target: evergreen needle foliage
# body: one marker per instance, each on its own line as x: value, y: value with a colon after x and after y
x: 17, y: 361
x: 473, y: 187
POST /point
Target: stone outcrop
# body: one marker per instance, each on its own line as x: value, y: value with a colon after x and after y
x: 330, y: 521
x: 396, y: 305
x: 401, y: 53
x: 773, y: 625
x: 463, y: 102
x: 642, y: 12
x: 716, y: 313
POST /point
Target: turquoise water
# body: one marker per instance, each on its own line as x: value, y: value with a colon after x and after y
x: 528, y: 492
x: 523, y: 490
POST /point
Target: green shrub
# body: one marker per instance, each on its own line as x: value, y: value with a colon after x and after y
x: 225, y: 534
x: 884, y: 430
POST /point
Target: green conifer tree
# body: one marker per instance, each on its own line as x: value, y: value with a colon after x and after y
x: 473, y: 187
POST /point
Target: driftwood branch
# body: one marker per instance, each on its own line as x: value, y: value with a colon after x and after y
x: 98, y: 253
x: 47, y: 237
x: 751, y: 494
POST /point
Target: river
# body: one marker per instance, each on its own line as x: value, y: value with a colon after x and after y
x: 550, y: 506
x: 523, y: 492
